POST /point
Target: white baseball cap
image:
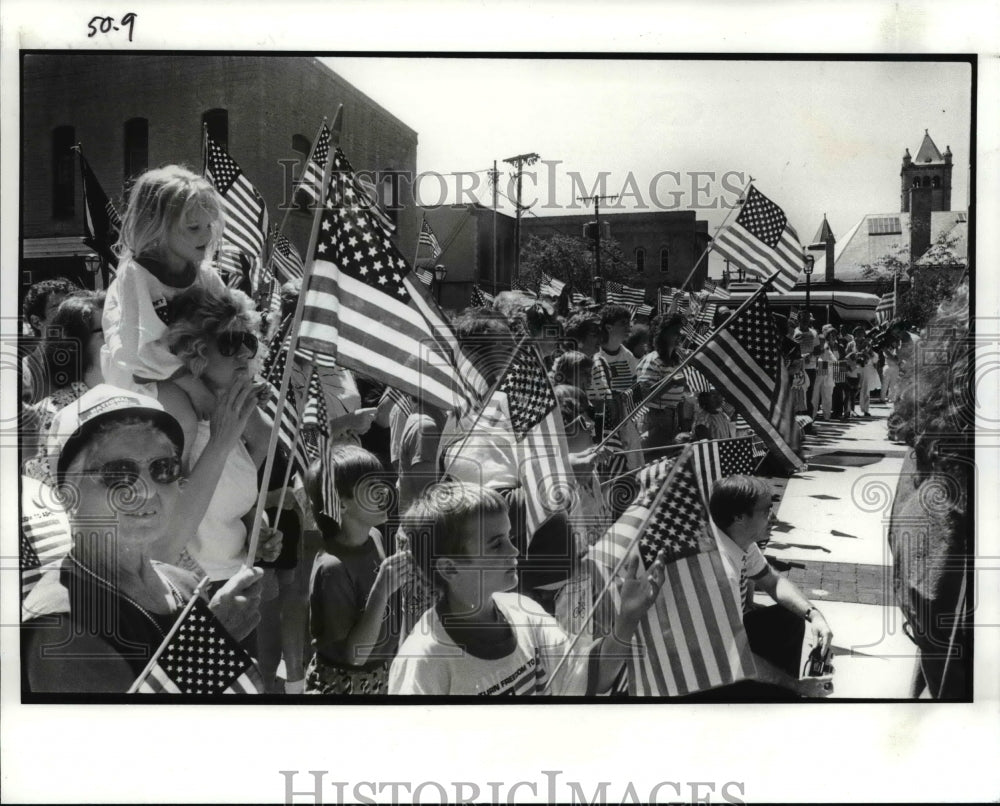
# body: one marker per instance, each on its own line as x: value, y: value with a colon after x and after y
x: 74, y: 424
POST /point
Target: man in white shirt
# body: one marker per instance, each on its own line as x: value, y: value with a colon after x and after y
x: 742, y: 510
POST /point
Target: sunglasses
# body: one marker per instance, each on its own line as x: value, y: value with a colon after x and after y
x: 126, y: 472
x: 230, y: 343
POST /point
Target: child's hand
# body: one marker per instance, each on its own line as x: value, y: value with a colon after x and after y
x: 394, y: 572
x: 637, y: 594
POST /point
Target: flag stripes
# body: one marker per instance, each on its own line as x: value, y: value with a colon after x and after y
x: 365, y: 309
x: 286, y: 262
x: 756, y: 383
x: 245, y: 212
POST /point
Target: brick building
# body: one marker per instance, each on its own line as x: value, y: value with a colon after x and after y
x: 662, y: 245
x: 132, y: 112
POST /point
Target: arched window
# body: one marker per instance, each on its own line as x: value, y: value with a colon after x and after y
x: 664, y: 260
x: 916, y: 182
x: 936, y: 182
x: 640, y: 260
x: 217, y: 121
x: 63, y: 186
x: 389, y: 196
x: 136, y: 148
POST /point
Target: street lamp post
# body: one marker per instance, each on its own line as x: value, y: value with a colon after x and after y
x: 440, y: 272
x: 810, y: 262
x: 92, y: 263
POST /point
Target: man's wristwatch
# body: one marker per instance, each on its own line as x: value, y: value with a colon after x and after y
x: 809, y: 613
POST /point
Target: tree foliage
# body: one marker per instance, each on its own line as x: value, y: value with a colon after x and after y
x: 921, y: 290
x: 569, y: 258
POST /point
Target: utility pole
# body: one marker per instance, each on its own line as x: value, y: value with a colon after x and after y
x: 495, y: 177
x: 598, y: 278
x: 519, y: 162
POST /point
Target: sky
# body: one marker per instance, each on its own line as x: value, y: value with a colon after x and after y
x: 819, y: 137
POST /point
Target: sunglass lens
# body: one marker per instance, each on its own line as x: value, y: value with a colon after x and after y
x: 123, y: 472
x: 166, y: 470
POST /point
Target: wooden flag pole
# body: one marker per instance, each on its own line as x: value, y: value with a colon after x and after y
x: 662, y: 383
x: 664, y: 487
x: 708, y: 248
x: 134, y: 688
x: 290, y: 360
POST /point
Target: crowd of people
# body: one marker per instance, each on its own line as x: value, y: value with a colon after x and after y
x: 142, y: 411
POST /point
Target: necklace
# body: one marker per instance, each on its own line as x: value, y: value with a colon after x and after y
x: 111, y: 589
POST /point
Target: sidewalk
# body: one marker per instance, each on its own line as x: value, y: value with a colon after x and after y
x: 830, y: 539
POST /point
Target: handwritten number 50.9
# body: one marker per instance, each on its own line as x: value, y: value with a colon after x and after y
x: 106, y: 25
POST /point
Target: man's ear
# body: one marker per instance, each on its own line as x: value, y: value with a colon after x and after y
x: 36, y: 323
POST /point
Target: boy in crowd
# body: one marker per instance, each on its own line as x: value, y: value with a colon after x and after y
x: 480, y: 639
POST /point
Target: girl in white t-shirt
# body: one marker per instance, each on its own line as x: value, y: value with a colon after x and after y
x: 172, y: 225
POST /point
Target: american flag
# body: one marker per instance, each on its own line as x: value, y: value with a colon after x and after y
x: 620, y: 294
x: 45, y: 538
x: 885, y: 308
x: 671, y: 300
x: 692, y: 638
x: 246, y: 214
x: 311, y: 181
x: 744, y: 360
x: 366, y: 310
x: 286, y: 262
x: 236, y: 269
x: 426, y: 276
x: 400, y: 399
x: 317, y: 444
x: 429, y: 239
x: 538, y: 432
x: 762, y: 242
x: 480, y: 299
x: 550, y: 286
x: 288, y: 431
x: 202, y: 659
x: 100, y: 218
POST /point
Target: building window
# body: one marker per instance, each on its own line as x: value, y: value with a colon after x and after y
x: 63, y: 186
x: 217, y: 123
x: 640, y: 260
x: 388, y: 196
x: 916, y: 181
x: 301, y: 145
x: 936, y: 182
x: 664, y: 261
x: 136, y: 148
